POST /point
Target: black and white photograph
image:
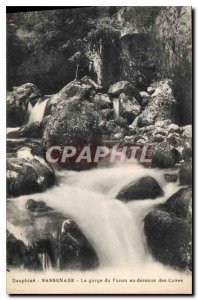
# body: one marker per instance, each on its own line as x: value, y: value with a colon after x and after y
x: 99, y: 109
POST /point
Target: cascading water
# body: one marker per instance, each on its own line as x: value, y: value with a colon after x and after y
x: 116, y: 107
x: 113, y: 228
x: 45, y: 261
x: 37, y: 112
x: 97, y: 66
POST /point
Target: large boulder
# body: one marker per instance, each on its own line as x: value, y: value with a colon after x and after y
x: 180, y: 204
x: 144, y: 188
x: 129, y: 107
x: 164, y: 155
x: 17, y: 103
x: 185, y: 173
x: 74, y: 122
x: 125, y: 87
x: 75, y: 250
x: 169, y: 238
x: 162, y: 105
x: 73, y: 88
x: 27, y: 173
x: 102, y: 101
x: 33, y: 130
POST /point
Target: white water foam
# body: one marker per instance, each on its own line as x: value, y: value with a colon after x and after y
x: 114, y: 228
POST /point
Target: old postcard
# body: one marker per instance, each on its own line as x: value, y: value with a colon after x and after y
x: 99, y: 150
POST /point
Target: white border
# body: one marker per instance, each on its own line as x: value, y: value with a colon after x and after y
x: 3, y: 5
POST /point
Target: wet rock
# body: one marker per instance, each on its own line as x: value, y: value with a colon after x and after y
x: 180, y: 204
x: 124, y: 87
x: 169, y: 238
x: 31, y: 259
x: 37, y: 206
x: 33, y: 130
x: 129, y: 107
x: 185, y: 173
x: 144, y: 188
x: 122, y: 122
x: 171, y: 177
x: 107, y: 114
x: 132, y: 130
x: 150, y: 90
x: 17, y: 103
x: 15, y: 251
x: 51, y: 105
x: 75, y: 250
x: 139, y: 138
x: 27, y: 173
x: 162, y: 105
x: 174, y: 139
x: 88, y: 81
x: 102, y: 101
x: 187, y: 142
x: 173, y: 128
x: 163, y: 123
x: 12, y: 146
x: 161, y: 131
x: 145, y: 98
x: 187, y: 132
x: 164, y: 156
x: 158, y: 138
x: 113, y: 128
x: 74, y: 121
x: 146, y: 129
x: 74, y: 88
x: 118, y: 135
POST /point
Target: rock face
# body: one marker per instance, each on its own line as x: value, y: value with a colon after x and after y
x: 144, y: 188
x: 169, y: 238
x: 17, y: 103
x: 185, y: 173
x: 27, y: 173
x: 175, y: 24
x: 162, y: 105
x: 33, y: 130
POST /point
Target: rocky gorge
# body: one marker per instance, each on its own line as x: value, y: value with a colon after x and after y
x: 57, y: 210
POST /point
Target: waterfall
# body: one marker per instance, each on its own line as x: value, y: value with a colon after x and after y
x: 45, y: 261
x: 135, y: 122
x: 113, y: 228
x: 97, y: 66
x: 116, y: 107
x: 37, y: 112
